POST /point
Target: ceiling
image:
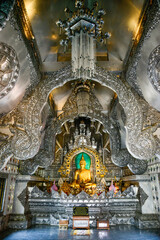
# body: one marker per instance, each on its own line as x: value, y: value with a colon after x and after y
x: 121, y: 20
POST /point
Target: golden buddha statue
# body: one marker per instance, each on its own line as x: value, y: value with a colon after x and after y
x: 82, y: 177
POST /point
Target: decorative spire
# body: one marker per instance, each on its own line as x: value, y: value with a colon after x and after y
x: 82, y: 160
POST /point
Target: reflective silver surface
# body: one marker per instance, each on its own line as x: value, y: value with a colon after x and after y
x: 121, y: 20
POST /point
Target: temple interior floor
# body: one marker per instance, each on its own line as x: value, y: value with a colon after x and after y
x: 121, y: 232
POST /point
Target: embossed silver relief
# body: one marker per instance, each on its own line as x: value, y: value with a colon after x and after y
x: 154, y: 68
x: 5, y: 154
x: 26, y: 144
x: 149, y: 24
x: 9, y: 69
x: 45, y: 156
x: 33, y: 53
x: 5, y: 9
x: 31, y: 109
x: 12, y: 122
x: 118, y: 208
x: 120, y: 157
x: 141, y: 144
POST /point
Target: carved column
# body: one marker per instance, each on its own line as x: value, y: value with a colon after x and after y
x: 146, y: 216
x: 20, y: 217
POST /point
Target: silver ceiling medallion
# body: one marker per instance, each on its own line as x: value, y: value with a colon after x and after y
x: 154, y: 68
x: 9, y: 69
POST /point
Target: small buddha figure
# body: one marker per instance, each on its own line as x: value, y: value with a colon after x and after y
x: 82, y: 177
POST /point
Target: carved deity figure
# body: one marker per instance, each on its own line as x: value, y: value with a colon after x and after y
x: 82, y: 177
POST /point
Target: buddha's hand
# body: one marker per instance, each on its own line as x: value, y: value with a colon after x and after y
x: 73, y: 184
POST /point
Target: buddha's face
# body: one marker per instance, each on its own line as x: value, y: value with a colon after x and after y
x: 82, y: 165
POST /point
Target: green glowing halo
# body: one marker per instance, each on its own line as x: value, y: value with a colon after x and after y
x: 86, y: 158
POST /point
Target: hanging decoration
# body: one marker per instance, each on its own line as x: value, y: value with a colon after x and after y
x: 83, y: 27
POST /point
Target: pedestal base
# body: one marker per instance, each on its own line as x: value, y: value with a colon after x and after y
x: 19, y: 221
x: 145, y: 221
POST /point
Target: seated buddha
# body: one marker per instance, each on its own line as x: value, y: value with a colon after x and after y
x: 82, y: 177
